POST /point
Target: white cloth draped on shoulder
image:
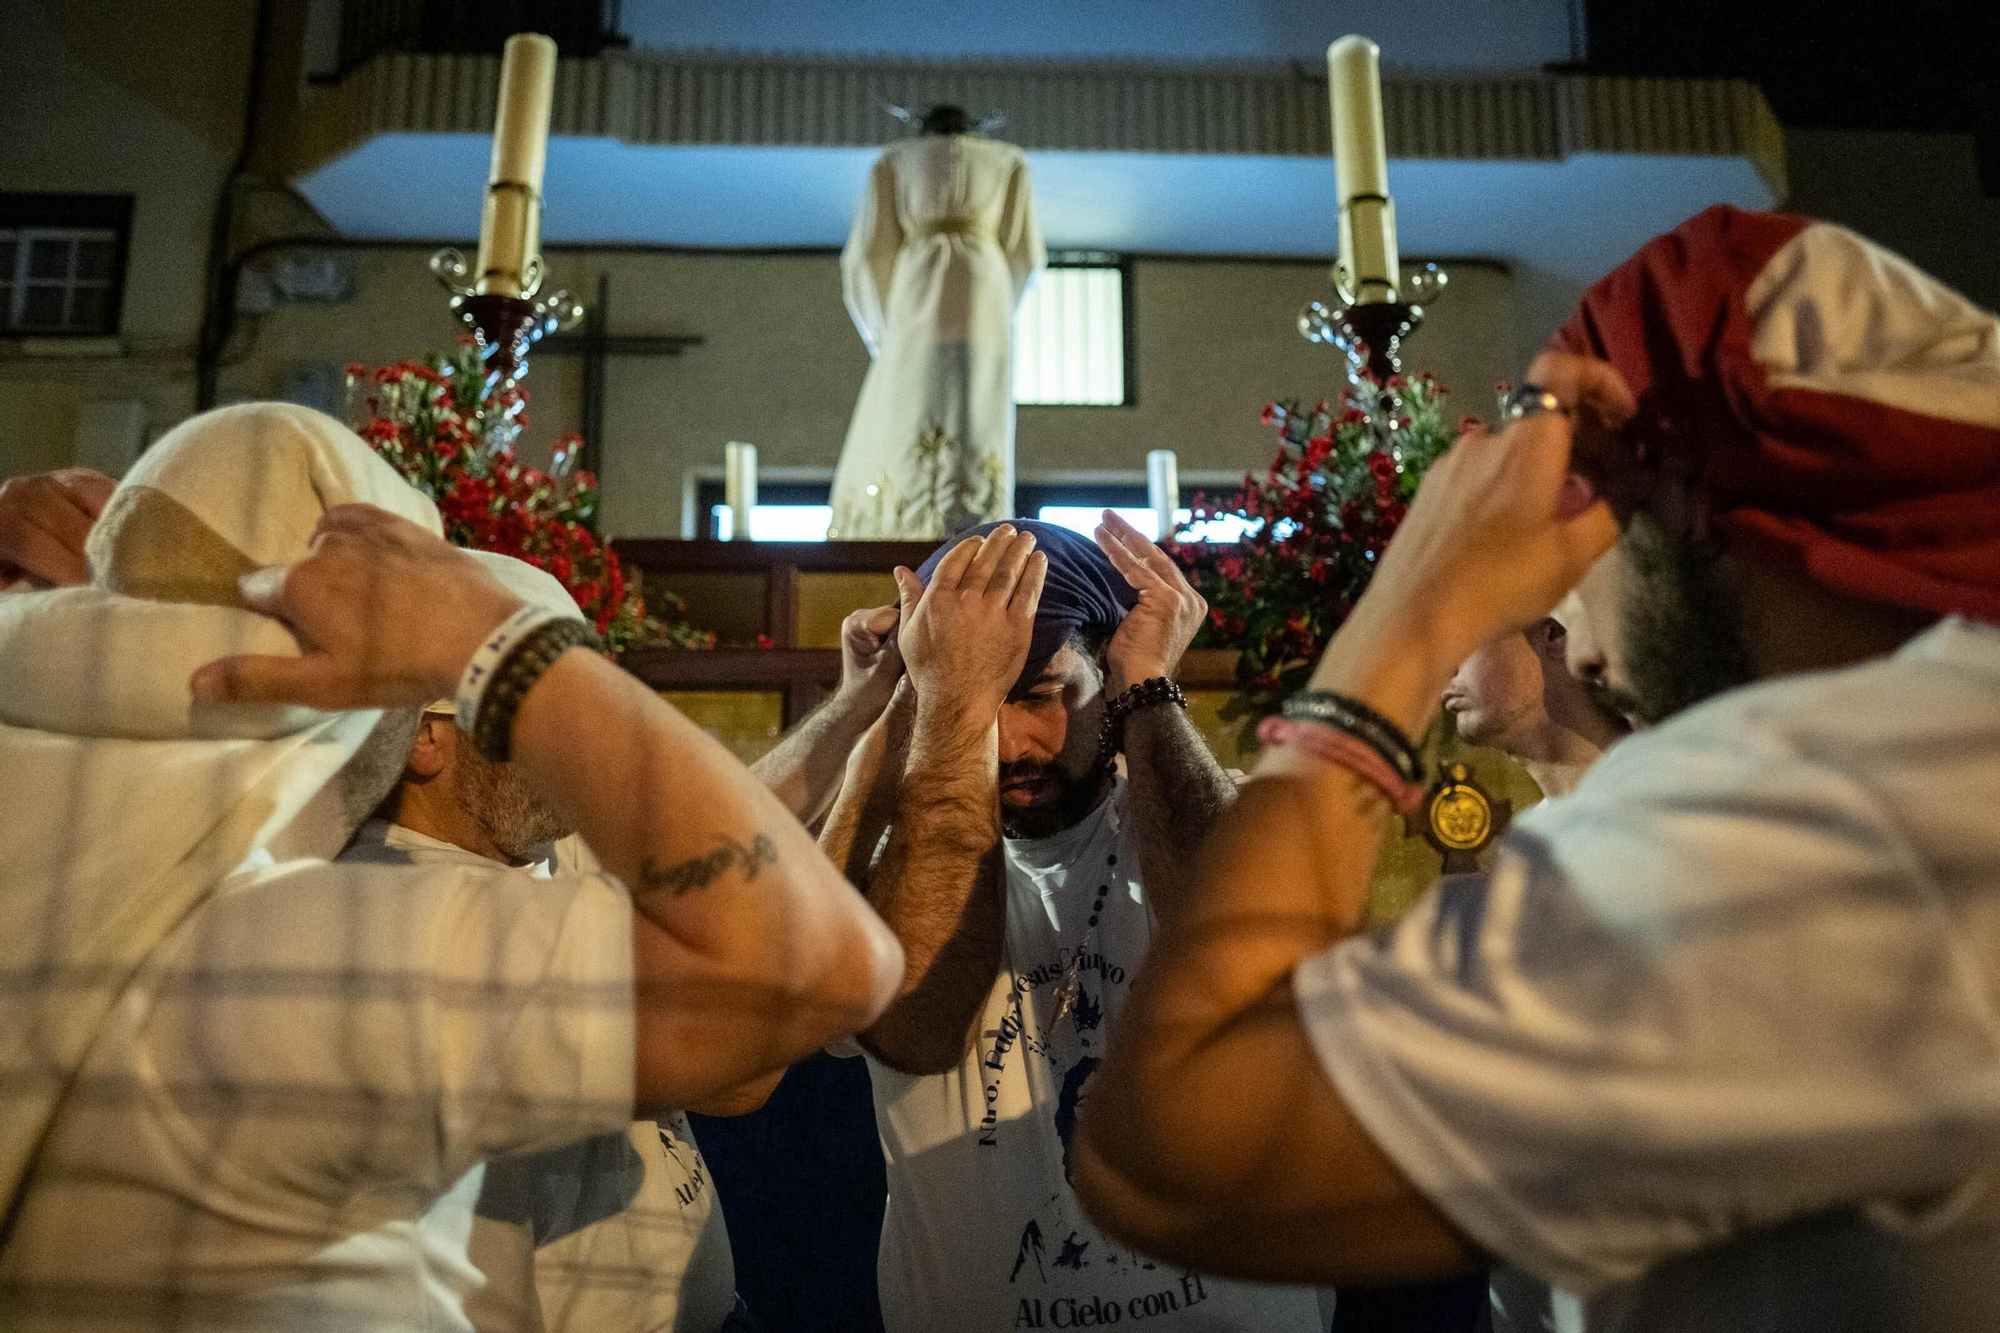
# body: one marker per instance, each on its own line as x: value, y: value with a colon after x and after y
x: 943, y: 248
x: 127, y: 803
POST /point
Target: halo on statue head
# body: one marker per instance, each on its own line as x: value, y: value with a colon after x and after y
x: 944, y: 118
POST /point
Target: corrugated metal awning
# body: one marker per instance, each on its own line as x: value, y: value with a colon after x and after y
x: 683, y: 99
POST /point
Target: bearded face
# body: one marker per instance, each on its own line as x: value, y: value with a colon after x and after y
x: 499, y: 801
x: 1657, y: 628
x: 1050, y: 775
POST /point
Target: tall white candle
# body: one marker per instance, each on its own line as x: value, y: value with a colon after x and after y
x: 739, y: 486
x: 511, y: 224
x: 1163, y: 490
x: 1361, y: 168
x: 521, y: 127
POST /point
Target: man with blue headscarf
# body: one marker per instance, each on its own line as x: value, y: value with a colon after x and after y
x: 987, y: 818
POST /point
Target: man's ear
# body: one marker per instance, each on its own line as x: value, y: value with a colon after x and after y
x: 430, y: 753
x: 1550, y: 641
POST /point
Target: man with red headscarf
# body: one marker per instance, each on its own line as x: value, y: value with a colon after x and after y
x: 1715, y: 1044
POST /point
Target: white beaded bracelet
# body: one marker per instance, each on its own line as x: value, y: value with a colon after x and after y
x: 486, y: 659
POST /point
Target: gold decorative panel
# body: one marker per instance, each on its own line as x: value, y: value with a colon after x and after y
x: 825, y: 599
x: 1203, y: 709
x: 747, y: 722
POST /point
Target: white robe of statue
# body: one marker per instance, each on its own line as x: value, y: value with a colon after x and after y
x: 945, y: 244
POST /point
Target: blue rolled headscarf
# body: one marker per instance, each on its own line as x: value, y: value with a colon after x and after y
x: 1084, y: 592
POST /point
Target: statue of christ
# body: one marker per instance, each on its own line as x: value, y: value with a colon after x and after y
x: 944, y: 246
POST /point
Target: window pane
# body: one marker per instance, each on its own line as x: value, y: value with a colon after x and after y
x: 1069, y: 338
x: 43, y: 308
x: 48, y: 258
x: 1084, y: 519
x: 90, y: 308
x: 93, y: 260
x: 779, y: 523
x: 57, y: 278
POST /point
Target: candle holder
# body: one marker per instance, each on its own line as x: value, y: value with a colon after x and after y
x: 1369, y: 335
x: 505, y: 327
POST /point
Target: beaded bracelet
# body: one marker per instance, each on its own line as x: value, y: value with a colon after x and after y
x: 524, y: 664
x: 1157, y: 690
x: 1344, y: 749
x: 486, y: 659
x: 1357, y: 719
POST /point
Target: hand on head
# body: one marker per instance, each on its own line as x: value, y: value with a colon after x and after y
x: 870, y: 661
x: 387, y: 613
x: 1154, y: 633
x: 1599, y: 404
x: 44, y: 520
x: 1503, y: 524
x: 965, y: 635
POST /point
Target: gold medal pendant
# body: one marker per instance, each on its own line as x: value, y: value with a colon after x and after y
x: 1460, y: 819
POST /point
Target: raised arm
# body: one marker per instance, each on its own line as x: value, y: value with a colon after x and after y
x: 749, y: 948
x: 804, y: 769
x: 1177, y: 789
x: 868, y: 260
x: 762, y: 953
x: 1213, y: 1138
x: 940, y: 884
x: 873, y: 783
x: 1020, y: 231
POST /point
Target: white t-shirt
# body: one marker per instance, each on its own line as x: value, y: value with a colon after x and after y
x: 982, y: 1229
x: 618, y: 1231
x: 267, y: 1130
x: 1716, y: 1044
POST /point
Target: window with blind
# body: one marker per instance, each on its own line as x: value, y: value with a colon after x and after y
x: 1070, y: 337
x: 62, y: 263
x: 799, y: 511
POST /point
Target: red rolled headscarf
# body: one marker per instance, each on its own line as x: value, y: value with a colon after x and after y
x: 1840, y: 407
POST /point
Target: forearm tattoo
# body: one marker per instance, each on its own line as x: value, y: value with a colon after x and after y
x: 701, y: 871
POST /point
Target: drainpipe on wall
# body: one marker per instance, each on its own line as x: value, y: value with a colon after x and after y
x: 218, y: 319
